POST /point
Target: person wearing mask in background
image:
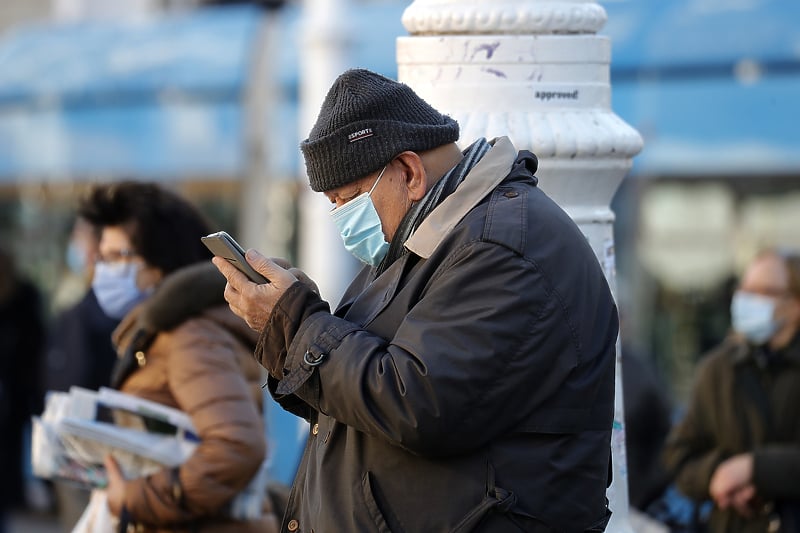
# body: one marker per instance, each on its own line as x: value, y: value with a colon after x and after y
x: 22, y: 333
x: 466, y: 381
x: 739, y: 441
x: 79, y: 257
x: 79, y: 350
x: 181, y: 346
x: 648, y: 415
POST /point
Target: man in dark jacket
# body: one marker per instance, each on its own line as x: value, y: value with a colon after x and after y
x: 466, y: 380
x: 739, y: 442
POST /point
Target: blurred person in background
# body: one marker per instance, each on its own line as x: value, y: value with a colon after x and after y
x: 79, y: 349
x: 738, y: 444
x: 181, y: 346
x: 22, y: 334
x: 648, y: 420
x: 79, y: 257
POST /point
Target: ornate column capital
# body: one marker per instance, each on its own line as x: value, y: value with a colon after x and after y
x: 507, y: 17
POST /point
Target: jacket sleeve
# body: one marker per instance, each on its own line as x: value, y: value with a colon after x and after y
x: 776, y: 469
x: 207, y: 383
x: 691, y: 452
x: 485, y: 344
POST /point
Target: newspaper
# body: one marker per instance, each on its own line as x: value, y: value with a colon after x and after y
x: 78, y: 429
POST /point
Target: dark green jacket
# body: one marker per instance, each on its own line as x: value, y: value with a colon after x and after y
x: 743, y: 401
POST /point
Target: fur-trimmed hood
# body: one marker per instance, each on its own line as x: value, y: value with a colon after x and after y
x: 189, y: 292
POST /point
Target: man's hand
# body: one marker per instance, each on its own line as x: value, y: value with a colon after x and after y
x: 731, y: 484
x: 115, y: 490
x: 250, y: 301
x: 296, y: 272
x: 746, y: 501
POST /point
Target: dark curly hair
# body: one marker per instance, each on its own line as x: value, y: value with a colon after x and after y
x: 164, y: 228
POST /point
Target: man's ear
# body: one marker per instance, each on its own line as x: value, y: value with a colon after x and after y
x: 413, y: 174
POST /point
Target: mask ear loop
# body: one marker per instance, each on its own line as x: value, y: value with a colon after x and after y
x: 335, y: 209
x: 377, y: 180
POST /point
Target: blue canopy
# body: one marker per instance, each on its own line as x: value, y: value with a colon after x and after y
x: 157, y: 97
x: 161, y: 98
x: 713, y: 86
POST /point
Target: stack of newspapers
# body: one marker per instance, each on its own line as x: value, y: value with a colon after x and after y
x: 79, y: 428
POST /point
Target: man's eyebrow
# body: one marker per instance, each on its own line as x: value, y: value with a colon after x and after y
x: 355, y: 192
x: 351, y: 193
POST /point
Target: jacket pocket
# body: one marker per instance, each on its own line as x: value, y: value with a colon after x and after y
x: 372, y: 507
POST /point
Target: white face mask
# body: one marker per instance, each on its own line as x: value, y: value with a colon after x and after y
x: 752, y: 315
x: 115, y: 287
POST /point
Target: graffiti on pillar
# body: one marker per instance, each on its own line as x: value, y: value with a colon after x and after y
x: 609, y: 259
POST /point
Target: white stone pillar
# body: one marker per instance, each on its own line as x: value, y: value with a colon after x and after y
x: 534, y: 70
x: 79, y: 10
x: 325, y: 53
x: 262, y: 207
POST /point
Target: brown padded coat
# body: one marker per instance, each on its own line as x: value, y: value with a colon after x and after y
x: 205, y: 367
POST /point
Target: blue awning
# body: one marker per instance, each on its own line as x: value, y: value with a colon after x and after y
x: 712, y: 85
x: 157, y: 97
x: 161, y: 98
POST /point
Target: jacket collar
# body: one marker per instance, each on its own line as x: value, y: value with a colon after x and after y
x: 485, y: 176
x: 187, y: 292
x: 742, y: 352
x: 192, y: 291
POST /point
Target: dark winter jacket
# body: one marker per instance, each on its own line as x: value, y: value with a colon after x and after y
x: 22, y: 334
x: 470, y: 387
x: 743, y: 401
x: 79, y: 350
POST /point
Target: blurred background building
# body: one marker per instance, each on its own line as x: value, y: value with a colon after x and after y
x: 713, y: 88
x: 205, y: 96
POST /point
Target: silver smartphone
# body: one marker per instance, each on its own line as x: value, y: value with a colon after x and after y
x: 223, y: 245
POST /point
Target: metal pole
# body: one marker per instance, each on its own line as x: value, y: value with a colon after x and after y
x: 323, y: 58
x: 266, y: 214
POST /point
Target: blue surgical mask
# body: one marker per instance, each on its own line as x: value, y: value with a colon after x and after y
x: 76, y: 258
x: 360, y: 227
x: 115, y: 287
x: 752, y: 315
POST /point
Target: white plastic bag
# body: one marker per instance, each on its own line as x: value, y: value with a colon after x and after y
x: 97, y: 517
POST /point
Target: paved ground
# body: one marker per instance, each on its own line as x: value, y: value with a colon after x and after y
x: 32, y: 522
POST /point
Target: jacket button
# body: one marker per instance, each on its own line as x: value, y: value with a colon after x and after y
x: 315, y: 429
x: 292, y: 525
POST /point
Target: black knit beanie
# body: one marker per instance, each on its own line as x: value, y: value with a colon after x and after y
x: 365, y: 121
